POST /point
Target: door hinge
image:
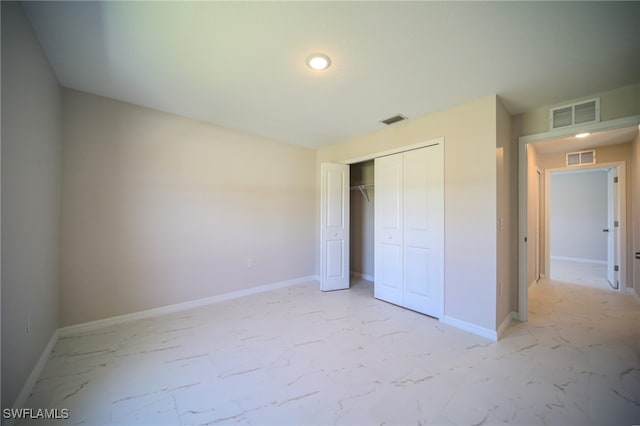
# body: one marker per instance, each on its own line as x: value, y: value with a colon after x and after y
x: 616, y: 223
x: 616, y: 268
x: 615, y: 179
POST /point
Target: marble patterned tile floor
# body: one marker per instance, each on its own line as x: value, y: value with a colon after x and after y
x: 297, y: 356
x: 582, y: 273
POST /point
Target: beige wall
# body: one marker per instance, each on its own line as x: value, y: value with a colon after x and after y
x: 31, y: 114
x: 469, y: 133
x: 507, y: 231
x: 618, y: 103
x: 158, y: 209
x: 604, y: 154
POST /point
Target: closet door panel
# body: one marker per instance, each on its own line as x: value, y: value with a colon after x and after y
x: 416, y: 200
x: 422, y: 181
x: 388, y: 285
x: 334, y: 227
x: 388, y: 229
x: 417, y: 274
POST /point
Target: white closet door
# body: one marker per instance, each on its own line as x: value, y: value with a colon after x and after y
x: 334, y: 224
x: 423, y: 175
x: 388, y: 229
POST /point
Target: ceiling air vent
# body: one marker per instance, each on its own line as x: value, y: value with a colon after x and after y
x: 581, y: 157
x: 393, y: 119
x: 574, y: 114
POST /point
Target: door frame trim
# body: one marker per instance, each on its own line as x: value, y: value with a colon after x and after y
x: 540, y: 215
x: 373, y: 155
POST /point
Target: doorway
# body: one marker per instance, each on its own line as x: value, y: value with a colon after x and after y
x: 582, y: 219
x: 362, y: 198
x: 618, y: 131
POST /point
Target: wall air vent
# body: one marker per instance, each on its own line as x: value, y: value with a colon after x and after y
x: 581, y: 157
x: 574, y: 114
x: 389, y: 121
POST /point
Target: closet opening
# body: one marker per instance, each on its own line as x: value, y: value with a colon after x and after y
x: 362, y: 199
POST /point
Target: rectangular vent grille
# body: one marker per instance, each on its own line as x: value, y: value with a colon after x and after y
x: 394, y: 119
x: 574, y: 114
x: 581, y: 157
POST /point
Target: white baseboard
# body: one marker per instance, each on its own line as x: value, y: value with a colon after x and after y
x: 505, y: 324
x: 169, y: 309
x: 362, y: 276
x: 631, y: 290
x: 472, y: 328
x: 27, y: 388
x: 579, y: 260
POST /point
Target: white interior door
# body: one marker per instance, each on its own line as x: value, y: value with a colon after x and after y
x: 612, y: 229
x: 423, y: 173
x: 334, y: 227
x: 388, y: 243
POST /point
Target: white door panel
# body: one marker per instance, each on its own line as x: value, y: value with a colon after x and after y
x: 388, y: 273
x: 335, y: 266
x: 424, y: 219
x: 388, y: 172
x: 417, y: 275
x: 388, y: 229
x: 409, y: 237
x: 334, y: 224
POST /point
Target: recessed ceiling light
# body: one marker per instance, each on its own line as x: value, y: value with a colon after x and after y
x: 583, y: 135
x: 318, y: 61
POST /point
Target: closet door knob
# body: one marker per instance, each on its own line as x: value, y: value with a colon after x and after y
x: 335, y: 234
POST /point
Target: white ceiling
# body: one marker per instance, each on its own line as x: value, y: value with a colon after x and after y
x: 241, y: 64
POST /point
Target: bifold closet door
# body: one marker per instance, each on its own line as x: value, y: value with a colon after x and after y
x: 334, y: 227
x: 409, y: 247
x: 388, y: 229
x: 424, y: 230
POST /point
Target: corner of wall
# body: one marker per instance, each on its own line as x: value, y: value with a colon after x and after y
x: 31, y: 165
x: 507, y: 201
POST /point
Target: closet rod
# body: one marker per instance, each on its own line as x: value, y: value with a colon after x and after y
x: 353, y: 188
x: 363, y: 190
